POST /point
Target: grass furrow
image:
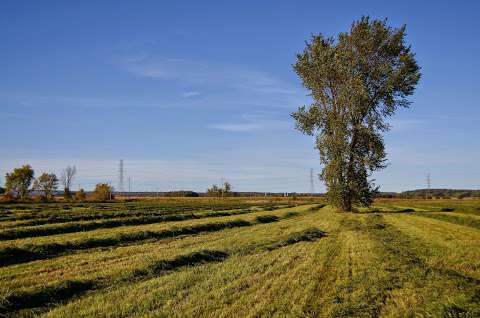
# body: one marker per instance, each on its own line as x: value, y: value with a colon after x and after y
x: 15, y: 255
x: 53, y: 295
x: 456, y: 219
x: 19, y: 233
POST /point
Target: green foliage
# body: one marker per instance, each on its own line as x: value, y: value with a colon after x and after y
x: 103, y: 192
x: 19, y: 180
x: 2, y: 190
x: 46, y: 183
x: 356, y: 82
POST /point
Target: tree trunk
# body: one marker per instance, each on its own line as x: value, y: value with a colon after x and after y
x: 347, y: 199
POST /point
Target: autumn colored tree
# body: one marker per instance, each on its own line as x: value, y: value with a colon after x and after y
x: 103, y: 192
x: 46, y: 183
x: 80, y: 195
x: 19, y: 180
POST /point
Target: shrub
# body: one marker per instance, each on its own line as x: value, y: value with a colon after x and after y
x: 7, y: 197
x: 103, y: 192
x: 80, y: 195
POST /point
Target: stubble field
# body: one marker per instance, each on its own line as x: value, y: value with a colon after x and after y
x: 240, y: 257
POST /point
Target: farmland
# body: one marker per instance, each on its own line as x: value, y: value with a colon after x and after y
x: 226, y: 257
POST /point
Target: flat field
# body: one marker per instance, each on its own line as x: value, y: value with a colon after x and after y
x: 240, y: 257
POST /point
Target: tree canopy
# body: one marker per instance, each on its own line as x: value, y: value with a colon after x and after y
x: 19, y: 180
x: 103, y: 192
x: 356, y: 81
x: 46, y: 183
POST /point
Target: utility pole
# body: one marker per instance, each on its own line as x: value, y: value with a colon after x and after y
x: 120, y: 176
x: 223, y: 182
x: 312, y: 188
x: 428, y: 186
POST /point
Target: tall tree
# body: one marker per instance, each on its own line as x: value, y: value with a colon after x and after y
x: 19, y: 180
x: 66, y: 179
x: 356, y: 82
x: 46, y: 183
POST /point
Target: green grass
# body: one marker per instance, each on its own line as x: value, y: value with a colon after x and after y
x: 296, y: 259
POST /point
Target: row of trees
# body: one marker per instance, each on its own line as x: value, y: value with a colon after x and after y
x: 20, y: 182
x: 223, y: 191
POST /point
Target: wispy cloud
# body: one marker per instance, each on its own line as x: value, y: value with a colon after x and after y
x: 226, y: 83
x: 406, y: 124
x: 194, y: 173
x: 190, y: 94
x: 252, y: 122
x: 199, y: 72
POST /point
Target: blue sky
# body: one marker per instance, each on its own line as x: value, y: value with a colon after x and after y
x: 187, y: 92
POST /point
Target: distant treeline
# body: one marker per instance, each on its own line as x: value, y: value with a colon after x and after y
x: 432, y: 194
x: 411, y: 194
x: 204, y: 194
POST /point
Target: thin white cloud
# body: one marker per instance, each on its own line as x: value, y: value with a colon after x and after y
x: 225, y: 82
x: 254, y: 121
x: 238, y: 167
x: 405, y: 124
x: 190, y: 94
x: 198, y: 72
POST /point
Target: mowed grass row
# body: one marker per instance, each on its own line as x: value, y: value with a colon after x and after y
x: 71, y: 227
x: 100, y: 266
x: 300, y: 263
x: 471, y: 207
x: 58, y: 211
x: 49, y: 218
x: 28, y: 249
x: 368, y: 265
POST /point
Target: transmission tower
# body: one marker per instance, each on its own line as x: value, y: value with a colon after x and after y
x: 428, y: 185
x: 120, y: 176
x: 312, y: 188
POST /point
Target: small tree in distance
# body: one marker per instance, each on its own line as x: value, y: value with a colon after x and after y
x: 216, y: 191
x: 67, y: 179
x: 103, y: 192
x: 48, y: 184
x: 80, y: 195
x: 356, y: 81
x: 19, y: 180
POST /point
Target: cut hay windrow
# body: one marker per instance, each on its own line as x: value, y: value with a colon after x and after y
x: 24, y: 232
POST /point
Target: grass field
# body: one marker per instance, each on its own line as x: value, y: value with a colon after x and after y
x: 240, y: 257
